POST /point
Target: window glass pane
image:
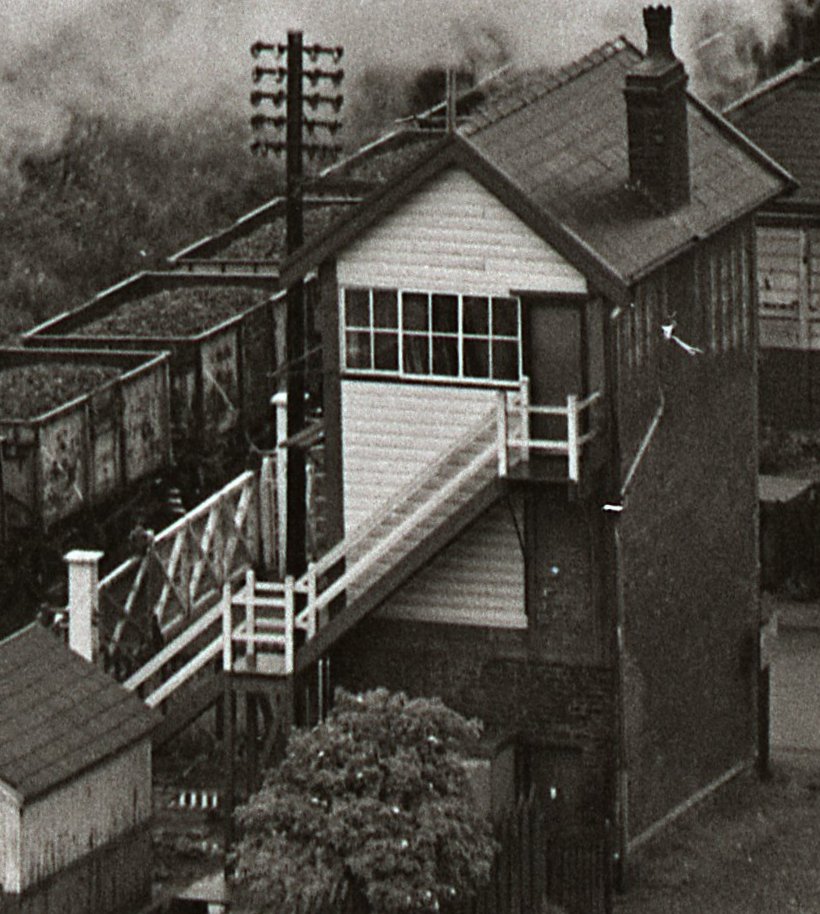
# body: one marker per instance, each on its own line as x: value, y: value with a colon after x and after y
x: 385, y: 308
x: 386, y: 351
x: 357, y: 307
x: 416, y: 354
x: 505, y: 360
x: 445, y: 355
x: 445, y: 313
x: 476, y: 358
x: 414, y: 311
x: 505, y: 317
x: 357, y: 350
x: 476, y: 314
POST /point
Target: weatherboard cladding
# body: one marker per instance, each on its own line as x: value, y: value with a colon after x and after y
x: 782, y: 116
x: 453, y: 235
x: 59, y: 715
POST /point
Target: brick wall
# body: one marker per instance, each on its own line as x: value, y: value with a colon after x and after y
x: 689, y: 573
x: 492, y: 675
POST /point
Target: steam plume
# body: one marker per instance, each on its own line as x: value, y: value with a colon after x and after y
x: 166, y: 60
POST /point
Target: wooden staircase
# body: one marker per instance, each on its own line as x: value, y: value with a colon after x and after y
x: 255, y: 628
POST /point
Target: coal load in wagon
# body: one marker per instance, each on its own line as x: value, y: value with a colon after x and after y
x: 222, y: 336
x: 78, y: 428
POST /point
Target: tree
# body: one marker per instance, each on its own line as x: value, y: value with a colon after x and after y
x: 376, y: 797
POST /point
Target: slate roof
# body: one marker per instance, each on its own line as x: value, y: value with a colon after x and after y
x: 782, y: 115
x: 59, y: 714
x: 563, y: 142
x: 552, y: 144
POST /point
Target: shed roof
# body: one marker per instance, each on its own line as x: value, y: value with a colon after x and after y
x: 782, y: 115
x: 59, y: 714
x: 553, y: 144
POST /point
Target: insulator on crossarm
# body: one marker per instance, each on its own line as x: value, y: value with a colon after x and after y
x: 259, y: 46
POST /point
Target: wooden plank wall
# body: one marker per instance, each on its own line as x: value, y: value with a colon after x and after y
x: 455, y: 236
x: 88, y: 812
x: 391, y: 431
x: 477, y: 580
x: 788, y: 260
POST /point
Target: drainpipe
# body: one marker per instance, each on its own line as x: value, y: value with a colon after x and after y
x: 615, y: 599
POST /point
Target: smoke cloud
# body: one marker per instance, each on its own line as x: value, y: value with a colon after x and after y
x: 170, y: 60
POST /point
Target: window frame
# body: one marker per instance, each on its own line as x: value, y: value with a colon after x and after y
x: 430, y: 334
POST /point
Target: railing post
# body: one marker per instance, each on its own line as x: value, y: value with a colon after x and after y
x: 83, y: 602
x: 227, y: 629
x: 289, y: 622
x: 524, y: 392
x: 573, y: 455
x: 501, y: 432
x: 250, y: 616
x: 311, y: 599
x: 280, y: 401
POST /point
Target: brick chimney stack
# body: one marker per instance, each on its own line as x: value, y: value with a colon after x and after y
x: 656, y: 117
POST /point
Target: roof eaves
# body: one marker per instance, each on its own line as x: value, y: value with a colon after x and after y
x: 740, y: 139
x: 714, y: 229
x: 773, y: 82
x: 599, y: 272
x: 338, y: 235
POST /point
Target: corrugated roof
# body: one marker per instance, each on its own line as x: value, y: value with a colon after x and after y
x: 782, y: 115
x: 59, y: 714
x: 563, y: 143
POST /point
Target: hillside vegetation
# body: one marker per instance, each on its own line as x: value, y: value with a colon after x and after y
x: 112, y: 201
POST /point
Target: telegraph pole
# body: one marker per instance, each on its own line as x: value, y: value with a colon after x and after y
x: 294, y: 97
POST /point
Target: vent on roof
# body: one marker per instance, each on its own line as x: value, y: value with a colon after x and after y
x: 656, y: 116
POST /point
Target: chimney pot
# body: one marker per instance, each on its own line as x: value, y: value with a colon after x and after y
x: 657, y: 21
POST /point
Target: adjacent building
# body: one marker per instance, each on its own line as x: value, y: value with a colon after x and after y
x: 75, y: 783
x: 782, y: 116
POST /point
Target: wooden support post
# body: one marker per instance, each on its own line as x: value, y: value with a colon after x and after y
x: 267, y: 512
x: 311, y: 600
x: 83, y: 602
x: 252, y: 736
x: 227, y: 630
x: 250, y: 617
x: 501, y: 432
x: 281, y: 402
x: 229, y: 765
x: 573, y: 446
x: 289, y: 623
x: 525, y: 416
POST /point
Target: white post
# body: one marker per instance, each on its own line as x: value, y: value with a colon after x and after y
x: 311, y: 599
x: 289, y: 624
x: 573, y: 455
x: 250, y: 616
x: 501, y: 432
x: 280, y: 400
x: 83, y: 601
x: 227, y: 629
x: 525, y: 417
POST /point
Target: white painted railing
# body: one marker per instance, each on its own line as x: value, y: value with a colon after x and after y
x: 261, y: 637
x: 183, y: 569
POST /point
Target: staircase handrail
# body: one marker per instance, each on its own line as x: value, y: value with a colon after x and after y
x: 427, y: 508
x: 404, y: 494
x: 193, y: 515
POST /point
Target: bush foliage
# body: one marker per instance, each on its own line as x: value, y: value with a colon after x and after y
x: 376, y: 796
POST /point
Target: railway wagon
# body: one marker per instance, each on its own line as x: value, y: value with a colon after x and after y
x: 78, y: 427
x: 223, y: 334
